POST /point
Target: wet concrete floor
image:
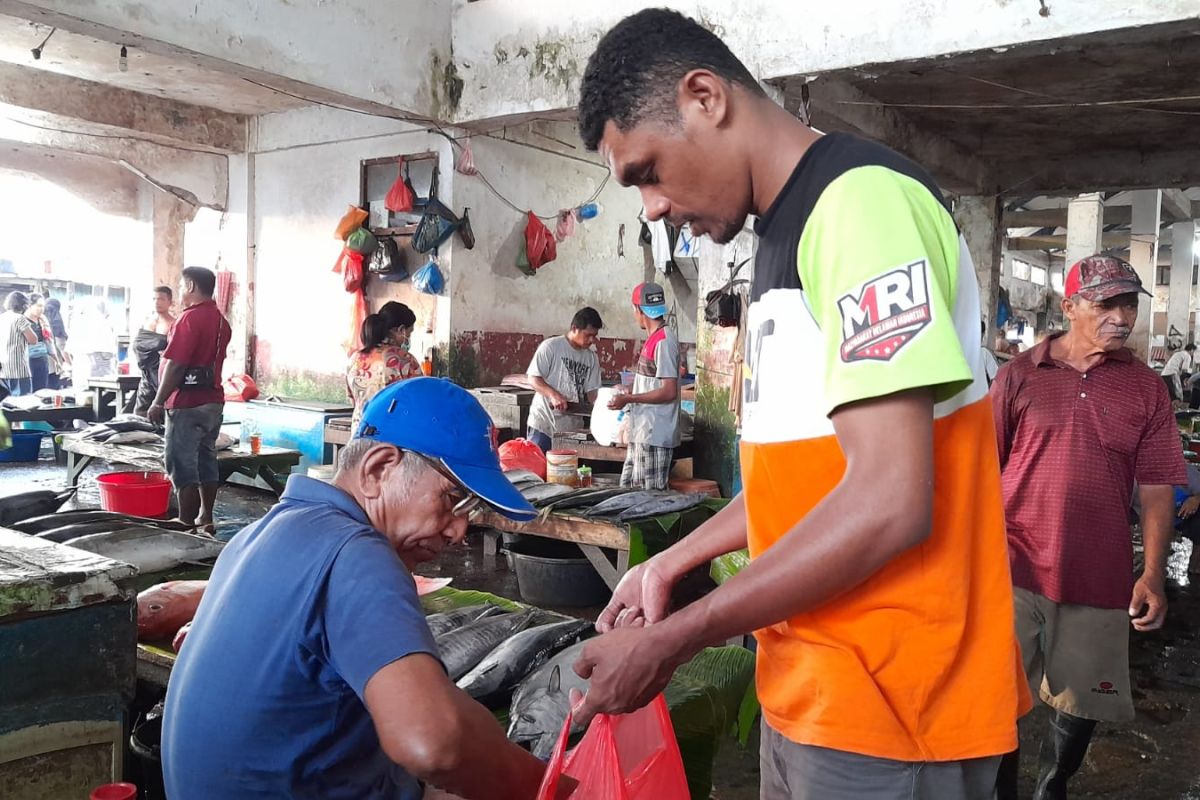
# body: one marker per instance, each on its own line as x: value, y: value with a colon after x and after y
x: 1157, y: 755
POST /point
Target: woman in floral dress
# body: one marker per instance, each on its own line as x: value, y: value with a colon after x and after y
x: 384, y: 357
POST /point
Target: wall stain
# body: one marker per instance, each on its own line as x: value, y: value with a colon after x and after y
x: 553, y: 61
x: 501, y: 55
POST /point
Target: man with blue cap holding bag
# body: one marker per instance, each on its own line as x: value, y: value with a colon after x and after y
x: 309, y: 671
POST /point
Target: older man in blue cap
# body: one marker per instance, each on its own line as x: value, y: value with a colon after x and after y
x: 309, y: 671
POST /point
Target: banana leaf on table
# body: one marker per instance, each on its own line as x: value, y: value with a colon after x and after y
x: 722, y: 568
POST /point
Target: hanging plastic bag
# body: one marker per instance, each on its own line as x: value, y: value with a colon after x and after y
x: 623, y: 757
x: 388, y: 262
x: 437, y: 224
x: 566, y: 224
x: 362, y: 241
x: 353, y: 218
x: 399, y: 198
x: 523, y: 258
x: 350, y: 265
x: 539, y: 243
x: 358, y: 312
x: 465, y: 164
x: 464, y: 230
x: 240, y: 389
x: 523, y: 454
x: 428, y: 279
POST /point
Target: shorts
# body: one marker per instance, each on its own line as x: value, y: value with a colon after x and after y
x: 542, y: 440
x: 790, y: 771
x: 1076, y: 657
x: 646, y: 466
x: 191, y: 444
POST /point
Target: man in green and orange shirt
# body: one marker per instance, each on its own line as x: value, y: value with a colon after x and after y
x: 887, y: 664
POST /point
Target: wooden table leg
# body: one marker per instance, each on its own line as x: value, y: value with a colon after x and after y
x: 603, y: 566
x: 268, y: 475
x: 76, y: 464
x: 491, y: 542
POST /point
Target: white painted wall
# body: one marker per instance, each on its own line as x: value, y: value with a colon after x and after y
x: 528, y: 55
x: 490, y: 293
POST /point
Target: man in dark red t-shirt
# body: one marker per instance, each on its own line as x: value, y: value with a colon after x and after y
x: 190, y: 397
x: 1078, y: 421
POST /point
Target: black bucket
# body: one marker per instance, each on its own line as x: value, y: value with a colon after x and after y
x: 553, y: 573
x: 144, y: 743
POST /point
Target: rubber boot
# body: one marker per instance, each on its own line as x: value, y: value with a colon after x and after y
x: 1062, y: 755
x: 1007, y: 775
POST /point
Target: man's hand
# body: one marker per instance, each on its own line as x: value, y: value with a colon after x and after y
x: 642, y: 597
x: 618, y: 401
x: 558, y: 402
x: 1148, y: 592
x: 156, y: 414
x: 627, y: 668
x: 1189, y: 507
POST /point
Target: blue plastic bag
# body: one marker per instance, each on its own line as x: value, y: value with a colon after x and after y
x: 428, y: 279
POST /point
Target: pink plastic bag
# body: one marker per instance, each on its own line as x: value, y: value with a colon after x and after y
x: 624, y: 757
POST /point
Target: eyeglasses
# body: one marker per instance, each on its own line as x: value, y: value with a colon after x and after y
x: 469, y: 505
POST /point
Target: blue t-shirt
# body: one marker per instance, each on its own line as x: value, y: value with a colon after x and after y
x: 265, y: 700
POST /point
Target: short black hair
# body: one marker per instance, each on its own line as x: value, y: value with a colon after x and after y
x: 205, y: 280
x: 17, y: 301
x: 1189, y: 347
x: 635, y: 72
x: 587, y: 317
x: 397, y: 315
x: 374, y: 332
x: 165, y: 290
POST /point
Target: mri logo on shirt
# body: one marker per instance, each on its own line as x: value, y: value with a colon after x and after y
x: 885, y: 313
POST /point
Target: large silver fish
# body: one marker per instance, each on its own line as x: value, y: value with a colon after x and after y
x: 150, y: 549
x: 17, y: 507
x: 663, y: 505
x: 67, y: 533
x: 583, y: 498
x: 515, y: 657
x: 615, y: 505
x: 542, y: 701
x: 445, y: 622
x: 541, y: 493
x: 59, y: 519
x: 465, y: 647
x: 517, y: 476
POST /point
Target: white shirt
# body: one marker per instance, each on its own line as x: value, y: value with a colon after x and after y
x: 1180, y: 361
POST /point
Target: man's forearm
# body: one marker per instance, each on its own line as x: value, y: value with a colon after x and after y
x: 171, y: 378
x: 541, y: 387
x: 1158, y: 518
x: 722, y: 534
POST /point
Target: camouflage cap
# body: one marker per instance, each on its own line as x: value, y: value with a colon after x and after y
x: 1098, y: 278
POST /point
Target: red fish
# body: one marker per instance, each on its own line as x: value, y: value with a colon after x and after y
x: 177, y: 642
x: 162, y: 609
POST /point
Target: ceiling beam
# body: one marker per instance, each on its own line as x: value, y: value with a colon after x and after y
x: 74, y: 100
x: 107, y: 187
x: 1057, y: 217
x: 1059, y: 242
x: 1100, y: 171
x: 835, y: 104
x: 1177, y: 205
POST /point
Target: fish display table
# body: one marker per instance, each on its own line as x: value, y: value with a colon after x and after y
x: 591, y: 450
x: 634, y: 541
x: 52, y: 414
x: 117, y: 389
x: 267, y: 464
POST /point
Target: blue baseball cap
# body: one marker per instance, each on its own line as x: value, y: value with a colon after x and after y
x: 442, y: 421
x: 651, y: 299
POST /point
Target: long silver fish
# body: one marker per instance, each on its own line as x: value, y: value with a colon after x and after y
x: 78, y: 530
x: 584, y: 498
x: 515, y: 657
x: 465, y: 647
x: 540, y: 704
x: 150, y: 549
x: 615, y: 505
x: 545, y: 492
x: 522, y: 476
x: 17, y: 507
x: 663, y: 505
x: 445, y: 622
x: 59, y: 519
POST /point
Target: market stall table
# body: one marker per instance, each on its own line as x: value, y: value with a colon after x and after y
x: 591, y: 450
x: 337, y: 434
x: 52, y: 414
x: 267, y: 464
x: 119, y: 389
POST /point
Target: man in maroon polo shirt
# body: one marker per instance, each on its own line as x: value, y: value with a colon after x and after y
x: 1078, y: 421
x: 191, y: 399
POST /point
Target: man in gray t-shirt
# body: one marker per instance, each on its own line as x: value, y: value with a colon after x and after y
x: 653, y: 407
x: 564, y: 370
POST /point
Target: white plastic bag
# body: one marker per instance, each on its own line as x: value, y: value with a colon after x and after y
x: 606, y: 423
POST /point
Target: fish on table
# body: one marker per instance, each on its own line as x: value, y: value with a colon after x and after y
x: 150, y: 549
x: 517, y: 476
x: 677, y: 501
x: 514, y: 658
x: 618, y: 503
x: 445, y: 622
x: 68, y: 533
x: 22, y: 506
x: 541, y: 493
x: 542, y: 701
x: 59, y: 519
x: 462, y: 649
x: 166, y: 607
x: 584, y: 498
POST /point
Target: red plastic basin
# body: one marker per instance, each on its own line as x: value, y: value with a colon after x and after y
x: 115, y: 791
x: 143, y: 494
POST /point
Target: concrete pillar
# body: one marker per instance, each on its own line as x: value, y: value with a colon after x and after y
x: 1179, y: 305
x: 979, y: 219
x: 170, y: 216
x: 1143, y: 255
x: 1085, y: 224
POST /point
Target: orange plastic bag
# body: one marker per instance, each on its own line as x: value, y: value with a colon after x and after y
x: 623, y: 757
x: 539, y: 243
x: 400, y: 197
x: 352, y: 221
x: 523, y: 454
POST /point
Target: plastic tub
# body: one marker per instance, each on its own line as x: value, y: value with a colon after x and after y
x: 115, y: 791
x: 552, y: 573
x: 562, y: 466
x: 143, y: 494
x: 25, y: 446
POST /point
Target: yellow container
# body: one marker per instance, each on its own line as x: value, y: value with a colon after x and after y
x: 562, y: 466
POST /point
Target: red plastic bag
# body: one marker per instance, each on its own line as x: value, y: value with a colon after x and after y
x: 350, y: 265
x: 240, y: 389
x: 523, y: 454
x: 400, y: 197
x: 539, y: 243
x: 623, y: 757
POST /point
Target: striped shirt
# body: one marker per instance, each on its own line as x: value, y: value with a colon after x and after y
x: 16, y: 348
